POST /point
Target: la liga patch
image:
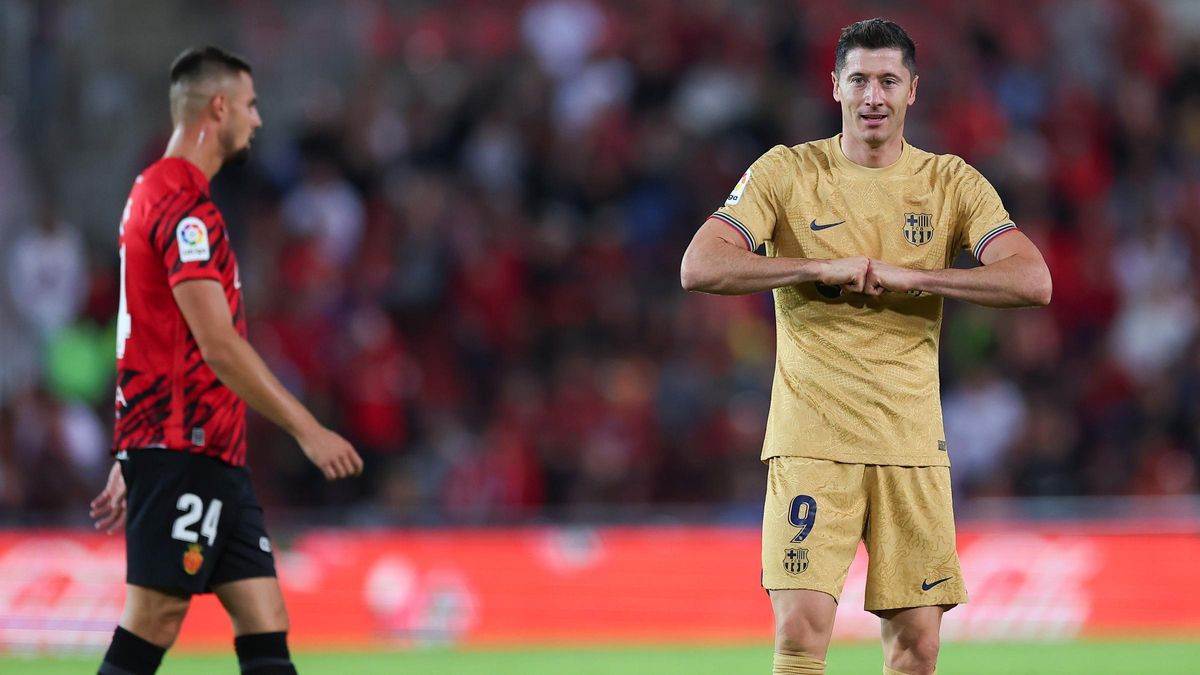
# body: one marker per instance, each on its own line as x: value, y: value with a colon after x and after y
x: 736, y: 195
x: 192, y: 235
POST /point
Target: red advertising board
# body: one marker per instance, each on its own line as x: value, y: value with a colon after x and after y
x: 63, y: 589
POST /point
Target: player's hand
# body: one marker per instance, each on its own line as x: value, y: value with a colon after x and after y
x: 883, y: 277
x: 848, y: 273
x: 332, y: 454
x: 108, y: 508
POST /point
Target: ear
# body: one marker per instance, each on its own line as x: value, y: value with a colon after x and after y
x: 837, y: 88
x: 912, y: 91
x: 218, y: 106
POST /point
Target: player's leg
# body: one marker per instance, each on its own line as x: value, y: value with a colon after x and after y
x: 247, y: 587
x: 254, y: 605
x: 260, y: 625
x: 914, y: 575
x: 155, y: 615
x: 812, y: 523
x: 148, y: 627
x: 911, y: 639
x: 169, y: 554
x: 803, y: 626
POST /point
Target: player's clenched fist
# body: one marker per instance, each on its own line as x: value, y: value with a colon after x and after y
x: 848, y: 273
x: 332, y: 454
x: 882, y: 277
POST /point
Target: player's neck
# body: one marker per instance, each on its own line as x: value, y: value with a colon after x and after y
x: 198, y: 146
x: 873, y: 158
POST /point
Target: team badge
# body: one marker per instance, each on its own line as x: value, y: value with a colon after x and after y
x: 795, y: 560
x: 736, y: 195
x: 193, y: 559
x: 918, y: 228
x: 192, y: 235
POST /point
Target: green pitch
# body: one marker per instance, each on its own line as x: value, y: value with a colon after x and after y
x: 1076, y: 658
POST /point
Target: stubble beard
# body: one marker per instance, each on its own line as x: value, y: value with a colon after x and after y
x: 239, y: 157
x: 236, y: 156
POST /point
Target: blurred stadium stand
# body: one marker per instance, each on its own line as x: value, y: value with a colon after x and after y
x: 461, y: 229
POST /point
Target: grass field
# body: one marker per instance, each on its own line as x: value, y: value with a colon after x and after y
x: 1077, y: 658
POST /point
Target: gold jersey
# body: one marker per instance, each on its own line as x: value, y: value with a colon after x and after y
x: 856, y: 378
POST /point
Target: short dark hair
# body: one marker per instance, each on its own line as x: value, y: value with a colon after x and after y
x: 197, y: 63
x: 876, y: 34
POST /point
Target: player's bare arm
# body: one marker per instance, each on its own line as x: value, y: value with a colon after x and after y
x: 717, y: 262
x: 1013, y: 274
x: 240, y: 368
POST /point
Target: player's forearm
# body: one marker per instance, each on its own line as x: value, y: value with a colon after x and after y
x: 241, y: 369
x: 1016, y: 281
x: 740, y: 272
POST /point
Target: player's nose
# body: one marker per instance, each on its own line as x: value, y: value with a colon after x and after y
x: 873, y: 94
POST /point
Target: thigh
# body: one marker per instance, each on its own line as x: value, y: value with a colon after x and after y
x: 910, y: 539
x: 812, y: 523
x: 177, y: 522
x: 911, y: 621
x: 254, y: 605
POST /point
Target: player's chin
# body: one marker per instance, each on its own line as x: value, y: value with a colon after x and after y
x: 874, y: 130
x: 239, y: 157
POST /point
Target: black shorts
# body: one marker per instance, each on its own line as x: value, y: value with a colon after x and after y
x: 194, y: 522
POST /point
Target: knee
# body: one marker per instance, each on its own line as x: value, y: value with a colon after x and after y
x: 917, y: 651
x: 797, y: 633
x: 268, y: 618
x: 170, y: 618
x: 281, y: 618
x: 159, y: 623
x: 925, y: 649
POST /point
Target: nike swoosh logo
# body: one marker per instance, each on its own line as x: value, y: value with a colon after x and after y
x: 817, y: 228
x: 925, y: 585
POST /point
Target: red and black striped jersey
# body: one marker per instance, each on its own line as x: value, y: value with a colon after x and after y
x: 167, y: 396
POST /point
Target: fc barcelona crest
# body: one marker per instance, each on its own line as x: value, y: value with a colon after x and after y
x: 918, y: 228
x: 795, y: 560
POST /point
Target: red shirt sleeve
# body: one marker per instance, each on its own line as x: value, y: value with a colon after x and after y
x: 196, y: 245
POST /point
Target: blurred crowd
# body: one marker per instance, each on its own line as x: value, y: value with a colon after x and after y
x: 460, y: 239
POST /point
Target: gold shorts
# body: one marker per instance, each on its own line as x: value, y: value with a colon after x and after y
x: 817, y: 511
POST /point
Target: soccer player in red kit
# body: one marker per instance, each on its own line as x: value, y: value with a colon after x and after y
x: 184, y: 375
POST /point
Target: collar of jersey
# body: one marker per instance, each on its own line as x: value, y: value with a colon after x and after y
x: 192, y: 171
x: 855, y: 169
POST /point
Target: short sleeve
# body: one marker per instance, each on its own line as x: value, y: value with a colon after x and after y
x: 753, y: 206
x: 194, y: 245
x: 983, y: 216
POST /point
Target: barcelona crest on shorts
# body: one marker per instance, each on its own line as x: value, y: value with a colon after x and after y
x: 795, y: 560
x: 918, y: 228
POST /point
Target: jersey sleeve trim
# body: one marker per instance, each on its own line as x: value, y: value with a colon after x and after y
x: 191, y: 272
x: 737, y: 225
x: 989, y: 237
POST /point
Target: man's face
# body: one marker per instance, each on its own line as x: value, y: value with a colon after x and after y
x: 875, y: 89
x: 241, y: 119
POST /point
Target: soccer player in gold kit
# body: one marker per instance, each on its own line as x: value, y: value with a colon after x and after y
x: 860, y: 231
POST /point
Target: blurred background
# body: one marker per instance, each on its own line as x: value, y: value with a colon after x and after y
x: 461, y: 228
